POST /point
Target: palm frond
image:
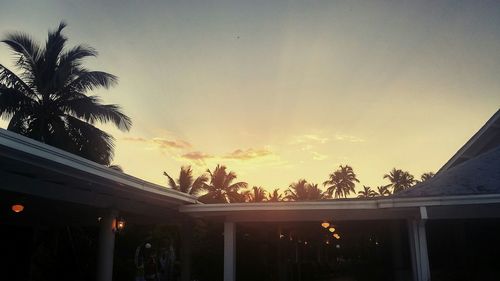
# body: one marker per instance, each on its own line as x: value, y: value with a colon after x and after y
x: 199, y: 184
x: 171, y: 181
x: 13, y: 101
x: 91, y: 110
x: 10, y: 80
x: 17, y: 123
x: 28, y: 51
x: 53, y: 47
x: 237, y: 186
x: 89, y: 141
x: 88, y: 81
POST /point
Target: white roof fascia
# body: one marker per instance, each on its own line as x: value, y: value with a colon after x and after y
x: 344, y: 204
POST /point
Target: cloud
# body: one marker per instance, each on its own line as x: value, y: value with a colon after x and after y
x: 318, y: 156
x: 348, y: 138
x: 162, y: 143
x: 136, y: 139
x: 309, y: 138
x: 165, y: 143
x: 247, y: 154
x: 196, y: 155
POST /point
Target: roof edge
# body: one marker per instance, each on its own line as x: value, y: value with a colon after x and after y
x: 470, y: 142
x: 32, y: 147
x: 353, y: 204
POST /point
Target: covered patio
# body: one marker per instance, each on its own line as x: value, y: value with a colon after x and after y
x: 410, y: 214
x: 56, y: 188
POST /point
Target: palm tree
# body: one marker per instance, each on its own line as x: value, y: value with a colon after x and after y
x: 220, y: 189
x: 297, y: 191
x: 400, y: 180
x: 48, y: 101
x: 426, y: 176
x: 315, y: 193
x: 275, y: 196
x: 383, y: 190
x: 367, y: 192
x: 185, y: 182
x: 303, y: 191
x: 257, y: 194
x: 342, y: 182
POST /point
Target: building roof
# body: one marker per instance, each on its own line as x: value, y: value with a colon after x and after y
x: 33, y: 170
x: 487, y: 138
x: 480, y: 175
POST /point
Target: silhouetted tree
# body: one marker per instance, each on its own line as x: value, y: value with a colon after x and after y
x: 257, y: 194
x: 48, y: 100
x: 400, y: 180
x: 342, y: 182
x: 220, y: 189
x: 315, y: 193
x: 367, y: 192
x: 303, y: 191
x: 426, y: 176
x: 275, y: 196
x: 186, y: 183
x: 383, y: 190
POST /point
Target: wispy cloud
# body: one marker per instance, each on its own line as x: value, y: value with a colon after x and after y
x: 247, y: 154
x: 318, y: 156
x: 136, y: 139
x: 166, y: 143
x: 162, y: 143
x: 309, y: 138
x: 196, y: 157
x: 348, y: 138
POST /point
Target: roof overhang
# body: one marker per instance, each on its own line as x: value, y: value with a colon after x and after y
x: 352, y: 209
x: 36, y: 170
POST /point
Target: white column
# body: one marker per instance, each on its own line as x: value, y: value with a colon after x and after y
x: 418, y: 245
x: 106, y: 246
x: 186, y: 240
x: 229, y: 251
x: 413, y: 251
x: 424, y: 257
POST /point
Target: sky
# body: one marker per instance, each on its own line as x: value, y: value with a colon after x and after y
x: 284, y: 90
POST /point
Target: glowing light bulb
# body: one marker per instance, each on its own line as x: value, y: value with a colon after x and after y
x: 325, y: 224
x: 17, y: 208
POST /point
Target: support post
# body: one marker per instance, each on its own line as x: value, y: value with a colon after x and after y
x: 106, y: 246
x: 229, y: 251
x: 186, y: 240
x: 418, y: 245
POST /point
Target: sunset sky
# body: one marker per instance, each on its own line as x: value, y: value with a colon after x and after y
x: 283, y: 90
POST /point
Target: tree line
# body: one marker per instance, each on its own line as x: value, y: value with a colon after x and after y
x: 220, y: 186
